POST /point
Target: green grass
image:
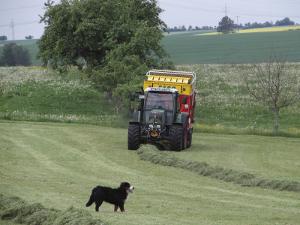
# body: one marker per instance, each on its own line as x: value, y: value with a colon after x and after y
x: 195, y: 163
x: 17, y: 210
x: 7, y: 222
x: 38, y: 94
x: 276, y: 158
x: 58, y: 164
x: 190, y: 48
x: 223, y: 103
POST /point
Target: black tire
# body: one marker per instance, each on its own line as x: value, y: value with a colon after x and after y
x: 160, y: 147
x: 176, y: 137
x: 190, y: 138
x: 133, y: 136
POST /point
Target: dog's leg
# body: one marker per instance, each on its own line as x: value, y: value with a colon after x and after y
x: 91, y: 200
x: 116, y: 208
x: 98, y: 204
x: 122, y: 207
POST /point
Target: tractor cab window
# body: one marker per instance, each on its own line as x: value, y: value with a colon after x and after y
x: 159, y: 101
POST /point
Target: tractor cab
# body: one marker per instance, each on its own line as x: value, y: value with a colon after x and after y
x: 159, y: 111
x: 158, y: 102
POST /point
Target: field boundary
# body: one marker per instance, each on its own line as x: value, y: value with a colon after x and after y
x: 227, y: 175
x: 117, y: 122
x: 19, y: 211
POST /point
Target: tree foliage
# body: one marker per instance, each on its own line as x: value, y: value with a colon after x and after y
x: 3, y: 38
x: 14, y: 55
x: 29, y: 37
x: 90, y: 29
x: 226, y: 25
x: 117, y: 41
x: 284, y: 22
x: 274, y: 86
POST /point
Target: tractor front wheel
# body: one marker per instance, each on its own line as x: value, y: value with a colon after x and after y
x: 176, y: 137
x: 133, y: 136
x: 190, y: 138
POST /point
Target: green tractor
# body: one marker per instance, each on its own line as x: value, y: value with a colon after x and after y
x: 166, y: 111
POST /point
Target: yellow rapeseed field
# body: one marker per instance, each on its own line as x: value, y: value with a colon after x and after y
x: 260, y: 30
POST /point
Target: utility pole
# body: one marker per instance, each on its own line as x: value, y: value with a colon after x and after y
x: 237, y: 22
x: 12, y: 26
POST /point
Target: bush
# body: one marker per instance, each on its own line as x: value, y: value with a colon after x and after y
x: 14, y: 55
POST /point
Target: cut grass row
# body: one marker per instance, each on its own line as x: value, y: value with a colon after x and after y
x: 217, y: 172
x: 57, y: 165
x: 16, y: 210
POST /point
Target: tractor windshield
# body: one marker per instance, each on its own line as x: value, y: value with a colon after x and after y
x: 164, y: 101
x: 156, y: 100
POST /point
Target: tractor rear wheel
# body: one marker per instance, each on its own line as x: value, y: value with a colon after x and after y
x: 190, y: 138
x: 176, y: 137
x: 133, y: 136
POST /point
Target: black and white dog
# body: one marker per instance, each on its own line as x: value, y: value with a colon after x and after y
x: 115, y: 196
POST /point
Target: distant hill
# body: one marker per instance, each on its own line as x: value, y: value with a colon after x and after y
x: 207, y: 47
x: 251, y: 47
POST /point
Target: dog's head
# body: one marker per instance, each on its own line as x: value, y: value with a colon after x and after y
x: 127, y: 187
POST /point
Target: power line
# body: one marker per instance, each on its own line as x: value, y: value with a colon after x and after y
x: 20, y: 8
x: 19, y: 24
x: 193, y: 8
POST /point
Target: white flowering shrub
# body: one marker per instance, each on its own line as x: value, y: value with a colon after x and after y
x: 223, y: 98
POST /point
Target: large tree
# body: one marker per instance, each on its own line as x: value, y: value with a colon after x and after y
x: 274, y: 86
x: 226, y: 25
x: 116, y: 40
x: 90, y: 29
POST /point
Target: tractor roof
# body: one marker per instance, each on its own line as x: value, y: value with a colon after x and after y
x: 173, y: 76
x: 161, y: 89
x: 183, y: 81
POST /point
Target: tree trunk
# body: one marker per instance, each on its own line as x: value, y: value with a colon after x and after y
x: 276, y: 121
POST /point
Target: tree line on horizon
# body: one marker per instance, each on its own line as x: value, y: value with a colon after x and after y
x: 284, y: 22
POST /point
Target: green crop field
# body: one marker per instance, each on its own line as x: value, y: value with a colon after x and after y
x: 192, y: 48
x: 58, y: 164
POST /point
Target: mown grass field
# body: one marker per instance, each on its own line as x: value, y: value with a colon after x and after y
x: 192, y: 48
x: 58, y: 164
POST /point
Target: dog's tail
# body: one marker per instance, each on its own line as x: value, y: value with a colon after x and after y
x: 91, y: 201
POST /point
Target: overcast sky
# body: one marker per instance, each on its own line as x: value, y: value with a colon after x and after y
x: 24, y: 14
